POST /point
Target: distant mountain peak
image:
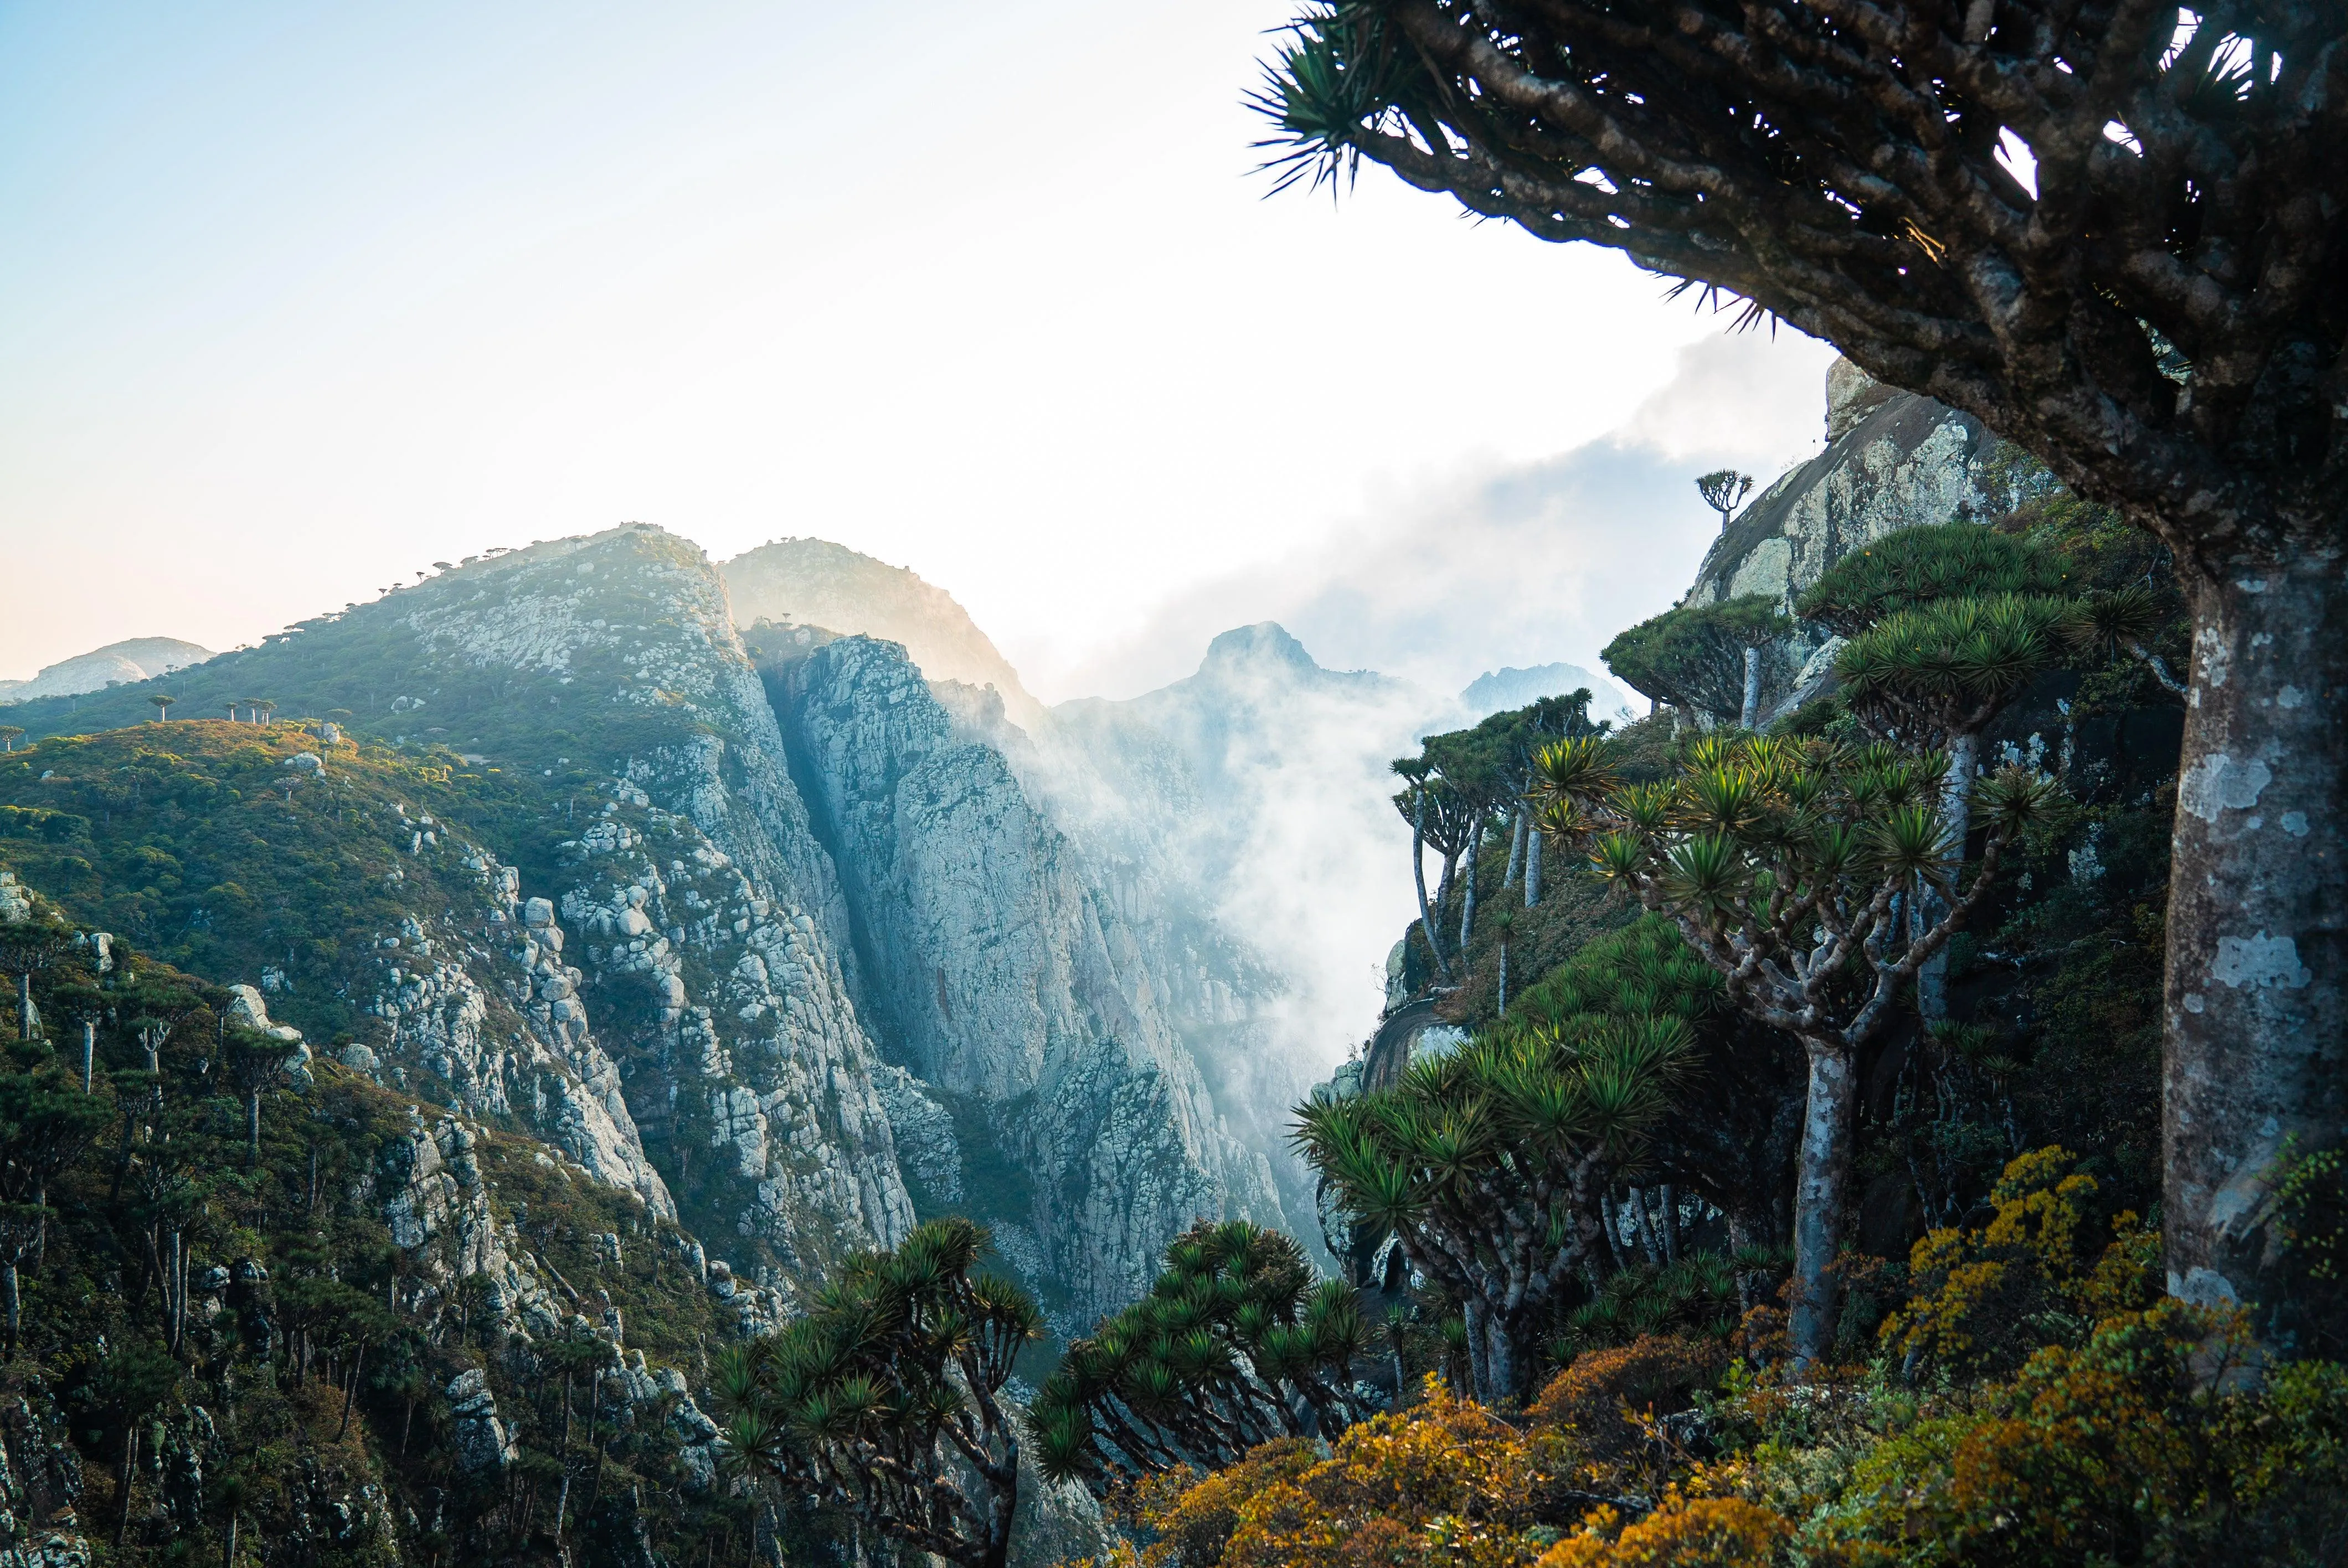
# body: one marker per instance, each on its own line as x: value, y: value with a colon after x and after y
x: 1497, y: 690
x: 139, y: 658
x: 1266, y: 641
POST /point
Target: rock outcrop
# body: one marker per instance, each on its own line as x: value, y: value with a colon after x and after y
x: 40, y: 1481
x: 1006, y: 978
x: 1893, y: 460
x: 139, y: 658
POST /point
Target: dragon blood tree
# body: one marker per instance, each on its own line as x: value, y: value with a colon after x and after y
x: 1235, y: 1345
x: 886, y: 1399
x: 1793, y: 868
x: 1490, y: 1165
x: 2112, y: 231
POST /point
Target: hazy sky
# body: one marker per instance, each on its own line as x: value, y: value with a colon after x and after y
x: 297, y: 299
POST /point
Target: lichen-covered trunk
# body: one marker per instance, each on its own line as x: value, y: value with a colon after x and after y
x: 1750, y: 717
x: 1468, y: 902
x: 1532, y: 870
x: 253, y: 1128
x: 1820, y: 1176
x: 1418, y: 877
x: 2257, y: 990
x: 88, y: 1052
x: 1956, y: 822
x: 1518, y: 827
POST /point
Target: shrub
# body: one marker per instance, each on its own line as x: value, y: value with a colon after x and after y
x: 1599, y: 1398
x: 1987, y: 1298
x: 1701, y: 1532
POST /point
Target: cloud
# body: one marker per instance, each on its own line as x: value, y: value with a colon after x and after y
x: 1492, y: 563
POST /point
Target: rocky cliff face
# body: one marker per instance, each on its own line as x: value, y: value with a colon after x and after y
x: 713, y: 920
x: 1006, y: 979
x: 1893, y: 460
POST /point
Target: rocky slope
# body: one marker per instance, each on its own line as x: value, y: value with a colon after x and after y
x: 599, y: 910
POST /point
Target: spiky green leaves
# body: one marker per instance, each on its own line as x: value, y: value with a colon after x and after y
x: 1694, y: 657
x: 1341, y: 73
x: 1234, y: 1331
x: 1948, y: 667
x: 895, y: 1348
x: 1911, y: 569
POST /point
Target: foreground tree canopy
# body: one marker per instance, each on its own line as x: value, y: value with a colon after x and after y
x: 2112, y: 231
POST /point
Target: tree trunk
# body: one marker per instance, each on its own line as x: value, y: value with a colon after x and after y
x: 253, y: 1128
x: 1001, y: 1503
x: 2256, y: 988
x: 24, y: 1005
x: 1750, y: 716
x: 8, y: 1297
x: 1521, y: 825
x: 129, y: 1474
x: 1667, y: 1204
x: 1468, y: 903
x: 1505, y: 1363
x: 351, y: 1390
x: 1825, y: 1163
x: 89, y: 1051
x: 1418, y: 876
x: 1956, y: 822
x: 1532, y: 869
x: 228, y: 1552
x: 1475, y: 1313
x: 1503, y: 1006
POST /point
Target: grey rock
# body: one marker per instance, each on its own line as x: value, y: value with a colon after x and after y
x: 1005, y: 974
x: 40, y: 1481
x: 482, y: 1442
x: 1893, y: 460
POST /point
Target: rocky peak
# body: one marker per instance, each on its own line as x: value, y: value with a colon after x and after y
x: 816, y: 583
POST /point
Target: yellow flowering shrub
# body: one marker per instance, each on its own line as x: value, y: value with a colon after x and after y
x: 1682, y: 1532
x: 1986, y: 1298
x: 1442, y: 1482
x: 2149, y: 1442
x: 1601, y: 1397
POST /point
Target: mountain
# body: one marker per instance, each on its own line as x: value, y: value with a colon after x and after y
x: 743, y: 883
x: 812, y: 582
x: 1497, y: 690
x: 139, y: 658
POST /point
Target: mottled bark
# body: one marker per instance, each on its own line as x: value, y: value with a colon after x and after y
x: 1468, y: 902
x: 1532, y: 871
x: 1818, y: 1202
x: 1749, y: 715
x: 1418, y: 878
x: 2257, y: 992
x: 1519, y: 823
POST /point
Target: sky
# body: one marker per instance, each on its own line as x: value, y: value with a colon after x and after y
x: 297, y: 299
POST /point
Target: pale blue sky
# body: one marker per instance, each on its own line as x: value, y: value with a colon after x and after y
x: 297, y: 299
